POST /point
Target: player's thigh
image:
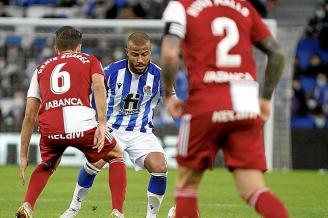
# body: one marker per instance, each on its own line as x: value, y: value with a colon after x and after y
x: 197, y: 144
x: 51, y: 151
x: 140, y: 145
x: 247, y: 181
x: 244, y: 147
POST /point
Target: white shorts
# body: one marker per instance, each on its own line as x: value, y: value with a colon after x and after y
x: 138, y: 145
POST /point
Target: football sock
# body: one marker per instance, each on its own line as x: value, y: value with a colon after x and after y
x: 186, y: 203
x: 117, y: 182
x: 38, y: 181
x: 85, y: 180
x: 267, y: 204
x: 155, y: 193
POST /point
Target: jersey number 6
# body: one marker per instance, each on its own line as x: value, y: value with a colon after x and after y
x: 60, y: 81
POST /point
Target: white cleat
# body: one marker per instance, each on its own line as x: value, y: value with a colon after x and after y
x: 70, y: 213
x: 171, y: 213
x: 116, y: 214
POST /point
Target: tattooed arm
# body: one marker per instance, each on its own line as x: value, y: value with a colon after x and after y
x: 274, y: 66
x: 170, y: 64
x: 170, y: 61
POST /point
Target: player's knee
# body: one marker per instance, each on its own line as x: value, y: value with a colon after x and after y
x: 160, y: 167
x: 49, y: 166
x: 189, y: 179
x: 116, y: 152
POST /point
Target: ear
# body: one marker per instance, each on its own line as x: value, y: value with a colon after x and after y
x: 56, y: 50
x: 78, y: 48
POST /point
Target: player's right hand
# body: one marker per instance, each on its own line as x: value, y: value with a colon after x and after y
x: 99, y: 137
x: 175, y: 106
x: 22, y: 167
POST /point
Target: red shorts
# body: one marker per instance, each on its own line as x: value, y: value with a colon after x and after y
x: 241, y: 142
x: 52, y: 146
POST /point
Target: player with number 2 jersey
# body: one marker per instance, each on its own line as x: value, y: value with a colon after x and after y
x: 224, y: 109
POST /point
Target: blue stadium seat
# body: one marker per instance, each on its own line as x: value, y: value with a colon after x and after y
x: 323, y: 54
x: 13, y: 40
x: 305, y: 122
x: 39, y: 43
x: 306, y: 48
x: 307, y: 83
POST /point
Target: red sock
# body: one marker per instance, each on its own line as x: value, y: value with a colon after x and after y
x: 267, y: 204
x: 186, y: 203
x: 38, y: 181
x: 117, y: 182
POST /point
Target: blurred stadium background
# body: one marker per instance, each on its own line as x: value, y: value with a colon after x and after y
x: 297, y: 136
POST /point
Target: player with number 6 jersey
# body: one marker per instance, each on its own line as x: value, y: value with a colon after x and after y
x: 59, y: 94
x: 64, y: 82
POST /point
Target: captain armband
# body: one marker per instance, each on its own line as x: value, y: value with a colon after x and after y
x: 173, y: 28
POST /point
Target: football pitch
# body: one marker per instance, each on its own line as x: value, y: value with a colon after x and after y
x: 304, y: 192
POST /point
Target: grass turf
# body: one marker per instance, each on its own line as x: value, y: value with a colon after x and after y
x: 305, y: 194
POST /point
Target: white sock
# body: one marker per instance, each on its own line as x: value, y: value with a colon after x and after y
x: 79, y: 195
x: 154, y: 203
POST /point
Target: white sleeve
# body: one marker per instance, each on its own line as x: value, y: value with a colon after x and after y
x: 175, y: 20
x: 34, y: 90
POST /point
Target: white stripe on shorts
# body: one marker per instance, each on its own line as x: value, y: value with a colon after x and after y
x: 109, y: 135
x: 184, y: 135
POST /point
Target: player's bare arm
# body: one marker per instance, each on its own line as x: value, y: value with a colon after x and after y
x: 170, y: 61
x: 170, y: 65
x: 31, y: 112
x: 274, y: 66
x: 100, y: 99
x: 273, y: 72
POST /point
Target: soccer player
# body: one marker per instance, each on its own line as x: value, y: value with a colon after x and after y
x: 59, y: 95
x: 133, y: 93
x: 223, y: 110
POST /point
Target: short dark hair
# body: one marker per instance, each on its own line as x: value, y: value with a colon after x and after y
x: 67, y: 38
x: 138, y: 38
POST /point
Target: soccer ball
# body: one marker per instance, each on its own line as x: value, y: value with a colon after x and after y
x: 171, y: 213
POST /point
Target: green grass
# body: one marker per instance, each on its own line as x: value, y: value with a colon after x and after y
x: 304, y: 192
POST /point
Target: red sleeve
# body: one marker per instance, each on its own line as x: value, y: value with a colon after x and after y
x: 95, y: 66
x: 259, y: 29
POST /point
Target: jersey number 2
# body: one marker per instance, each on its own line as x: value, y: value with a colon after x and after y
x: 60, y: 81
x: 223, y: 58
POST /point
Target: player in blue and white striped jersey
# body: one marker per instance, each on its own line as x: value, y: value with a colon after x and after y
x: 132, y: 97
x: 133, y: 93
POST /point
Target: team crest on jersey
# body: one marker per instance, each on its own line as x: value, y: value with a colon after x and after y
x: 147, y: 90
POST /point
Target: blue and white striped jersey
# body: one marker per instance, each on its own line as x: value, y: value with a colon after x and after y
x: 132, y: 98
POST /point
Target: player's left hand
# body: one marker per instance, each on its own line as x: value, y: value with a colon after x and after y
x: 265, y: 107
x: 175, y: 106
x: 99, y: 137
x: 22, y: 167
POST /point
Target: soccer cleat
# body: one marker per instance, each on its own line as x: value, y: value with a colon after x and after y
x: 69, y: 213
x: 171, y: 213
x: 24, y: 211
x: 116, y: 214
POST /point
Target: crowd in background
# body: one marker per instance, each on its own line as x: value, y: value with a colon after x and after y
x: 310, y: 88
x: 18, y: 59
